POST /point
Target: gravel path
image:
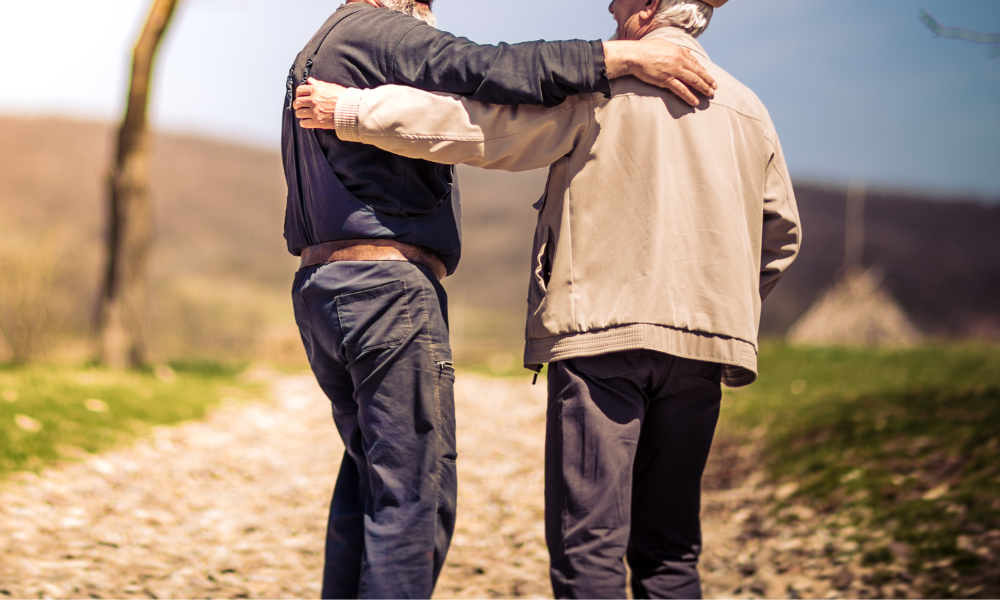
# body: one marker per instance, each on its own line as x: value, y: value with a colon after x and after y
x: 234, y: 507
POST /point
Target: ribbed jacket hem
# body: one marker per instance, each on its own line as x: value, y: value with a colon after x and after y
x: 739, y: 357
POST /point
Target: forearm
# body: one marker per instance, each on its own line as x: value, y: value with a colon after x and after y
x: 456, y: 130
x: 535, y: 73
x: 543, y: 73
x: 619, y: 60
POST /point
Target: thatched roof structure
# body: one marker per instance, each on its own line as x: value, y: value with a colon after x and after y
x: 856, y: 311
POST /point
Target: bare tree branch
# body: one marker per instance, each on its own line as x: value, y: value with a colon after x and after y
x: 992, y: 39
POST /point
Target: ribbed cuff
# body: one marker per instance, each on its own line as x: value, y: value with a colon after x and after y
x: 345, y: 118
x: 602, y: 85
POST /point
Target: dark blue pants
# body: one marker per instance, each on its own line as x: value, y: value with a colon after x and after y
x: 376, y: 335
x: 628, y: 436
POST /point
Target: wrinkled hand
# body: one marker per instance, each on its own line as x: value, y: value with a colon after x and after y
x: 666, y: 65
x: 316, y: 103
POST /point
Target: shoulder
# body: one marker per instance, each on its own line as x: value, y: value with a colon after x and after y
x: 736, y: 96
x: 731, y: 96
x: 369, y: 26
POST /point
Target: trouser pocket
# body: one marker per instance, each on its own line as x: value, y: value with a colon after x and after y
x: 374, y: 318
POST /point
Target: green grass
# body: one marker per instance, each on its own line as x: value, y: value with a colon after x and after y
x: 50, y: 413
x: 908, y: 438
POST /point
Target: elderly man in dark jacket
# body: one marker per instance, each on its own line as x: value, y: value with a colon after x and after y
x: 376, y: 232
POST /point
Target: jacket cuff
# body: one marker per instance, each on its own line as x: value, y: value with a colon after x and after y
x: 345, y: 117
x: 602, y: 85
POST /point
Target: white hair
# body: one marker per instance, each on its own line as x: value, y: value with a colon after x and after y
x: 692, y: 16
x: 411, y: 8
x: 424, y: 13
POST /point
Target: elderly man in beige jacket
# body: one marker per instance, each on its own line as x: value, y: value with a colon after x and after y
x: 661, y: 230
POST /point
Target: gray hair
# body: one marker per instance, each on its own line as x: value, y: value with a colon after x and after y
x: 410, y: 7
x: 692, y: 16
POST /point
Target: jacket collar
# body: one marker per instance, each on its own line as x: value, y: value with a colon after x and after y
x: 679, y: 37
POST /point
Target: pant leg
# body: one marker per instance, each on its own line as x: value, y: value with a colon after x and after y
x: 384, y: 324
x: 406, y: 416
x: 593, y: 424
x: 345, y: 525
x: 345, y: 534
x: 673, y: 448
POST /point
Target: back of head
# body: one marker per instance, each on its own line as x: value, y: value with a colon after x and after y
x: 693, y: 16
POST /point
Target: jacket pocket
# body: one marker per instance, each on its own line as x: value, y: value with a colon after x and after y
x: 374, y: 318
x: 541, y: 263
x: 540, y: 205
x: 541, y: 201
x: 543, y: 260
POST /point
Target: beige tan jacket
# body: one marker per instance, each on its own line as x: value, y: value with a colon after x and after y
x: 662, y: 226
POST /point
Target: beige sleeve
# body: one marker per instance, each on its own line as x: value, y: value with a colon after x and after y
x: 345, y: 116
x: 450, y: 129
x: 782, y: 232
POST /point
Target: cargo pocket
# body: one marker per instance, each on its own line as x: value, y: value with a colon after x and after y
x: 444, y: 373
x: 375, y: 318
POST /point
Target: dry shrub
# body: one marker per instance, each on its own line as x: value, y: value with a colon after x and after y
x: 47, y: 293
x: 281, y: 344
x: 196, y: 318
x: 27, y: 305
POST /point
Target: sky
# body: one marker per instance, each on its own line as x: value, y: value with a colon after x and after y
x: 857, y: 90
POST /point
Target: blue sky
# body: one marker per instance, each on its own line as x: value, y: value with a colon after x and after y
x: 856, y: 89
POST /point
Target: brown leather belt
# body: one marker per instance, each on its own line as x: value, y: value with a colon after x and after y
x: 364, y: 250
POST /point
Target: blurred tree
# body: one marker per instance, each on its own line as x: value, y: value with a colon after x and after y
x: 123, y: 311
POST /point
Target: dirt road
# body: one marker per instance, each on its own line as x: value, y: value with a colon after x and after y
x: 234, y: 507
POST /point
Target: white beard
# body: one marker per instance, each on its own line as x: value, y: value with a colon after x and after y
x: 410, y: 7
x: 403, y: 6
x: 424, y: 13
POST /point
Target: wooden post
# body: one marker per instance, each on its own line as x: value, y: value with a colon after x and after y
x: 123, y: 310
x: 854, y: 225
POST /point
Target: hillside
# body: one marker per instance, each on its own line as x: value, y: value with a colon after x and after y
x: 219, y: 213
x: 220, y: 272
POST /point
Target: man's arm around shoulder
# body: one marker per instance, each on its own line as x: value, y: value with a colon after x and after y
x: 451, y: 129
x: 542, y: 73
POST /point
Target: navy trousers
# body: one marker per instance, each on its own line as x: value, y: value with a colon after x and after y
x: 628, y: 436
x: 376, y: 334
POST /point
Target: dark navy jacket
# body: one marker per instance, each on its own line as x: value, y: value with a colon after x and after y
x: 341, y: 190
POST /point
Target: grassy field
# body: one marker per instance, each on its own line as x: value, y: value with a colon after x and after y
x: 52, y: 413
x: 901, y: 446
